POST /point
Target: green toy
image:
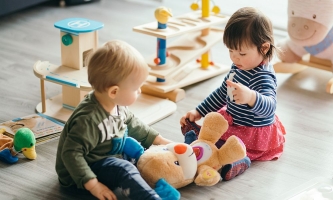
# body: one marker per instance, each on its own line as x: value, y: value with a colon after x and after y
x: 24, y: 141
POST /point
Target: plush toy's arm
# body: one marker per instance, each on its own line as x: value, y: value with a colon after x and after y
x: 207, y: 176
x: 166, y: 191
x: 290, y: 52
x: 133, y: 148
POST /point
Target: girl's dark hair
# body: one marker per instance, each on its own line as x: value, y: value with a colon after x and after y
x: 249, y: 26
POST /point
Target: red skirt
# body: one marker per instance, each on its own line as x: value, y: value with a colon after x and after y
x: 262, y: 143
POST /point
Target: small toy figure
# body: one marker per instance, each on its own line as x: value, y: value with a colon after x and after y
x: 24, y: 141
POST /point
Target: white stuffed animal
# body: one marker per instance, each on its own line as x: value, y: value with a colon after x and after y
x: 310, y: 30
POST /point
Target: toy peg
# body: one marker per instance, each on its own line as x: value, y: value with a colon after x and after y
x: 162, y: 15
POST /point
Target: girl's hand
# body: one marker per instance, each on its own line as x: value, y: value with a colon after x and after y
x: 192, y: 115
x: 242, y: 94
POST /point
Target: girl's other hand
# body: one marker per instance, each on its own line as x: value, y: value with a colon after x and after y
x: 192, y: 115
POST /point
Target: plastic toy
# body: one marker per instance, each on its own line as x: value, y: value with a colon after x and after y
x: 181, y: 66
x: 79, y: 37
x: 24, y: 141
x: 310, y: 42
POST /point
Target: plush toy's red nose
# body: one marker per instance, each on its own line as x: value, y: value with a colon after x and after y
x: 180, y: 148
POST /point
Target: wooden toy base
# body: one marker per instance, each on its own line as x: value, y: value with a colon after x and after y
x: 147, y: 108
x: 319, y: 188
x: 307, y: 61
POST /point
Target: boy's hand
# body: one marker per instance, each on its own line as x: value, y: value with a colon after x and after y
x: 99, y: 190
x: 242, y: 94
x: 192, y: 115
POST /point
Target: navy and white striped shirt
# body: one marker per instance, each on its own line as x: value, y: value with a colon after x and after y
x: 262, y: 80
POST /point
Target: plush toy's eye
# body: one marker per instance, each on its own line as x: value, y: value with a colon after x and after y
x: 292, y: 12
x: 314, y: 16
x: 176, y: 162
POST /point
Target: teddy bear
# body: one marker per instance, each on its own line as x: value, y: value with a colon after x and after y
x: 164, y: 167
x: 181, y: 164
x: 310, y: 31
x: 210, y: 159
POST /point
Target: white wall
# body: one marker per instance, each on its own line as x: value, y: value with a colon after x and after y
x: 276, y: 10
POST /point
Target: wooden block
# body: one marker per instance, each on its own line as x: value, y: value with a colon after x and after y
x: 73, y: 55
x: 329, y: 86
x: 175, y: 95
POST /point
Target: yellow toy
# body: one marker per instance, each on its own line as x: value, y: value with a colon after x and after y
x: 181, y: 164
x: 162, y: 14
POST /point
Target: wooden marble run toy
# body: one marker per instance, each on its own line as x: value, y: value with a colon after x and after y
x: 172, y: 67
x: 79, y: 37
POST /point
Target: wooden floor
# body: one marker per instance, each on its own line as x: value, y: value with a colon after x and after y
x: 27, y: 36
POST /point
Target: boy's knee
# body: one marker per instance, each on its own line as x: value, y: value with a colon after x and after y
x: 128, y: 167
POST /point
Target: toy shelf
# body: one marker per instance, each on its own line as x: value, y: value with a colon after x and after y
x: 62, y: 75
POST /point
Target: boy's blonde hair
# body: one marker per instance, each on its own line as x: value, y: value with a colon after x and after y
x: 249, y: 26
x: 112, y: 63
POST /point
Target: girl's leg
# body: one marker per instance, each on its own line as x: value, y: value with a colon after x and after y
x: 115, y: 172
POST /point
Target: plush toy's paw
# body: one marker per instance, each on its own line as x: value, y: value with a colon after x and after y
x: 7, y: 157
x: 133, y: 148
x: 166, y: 191
x: 207, y: 176
x: 232, y: 150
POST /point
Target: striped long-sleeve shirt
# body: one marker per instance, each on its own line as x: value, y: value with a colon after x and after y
x: 262, y: 80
